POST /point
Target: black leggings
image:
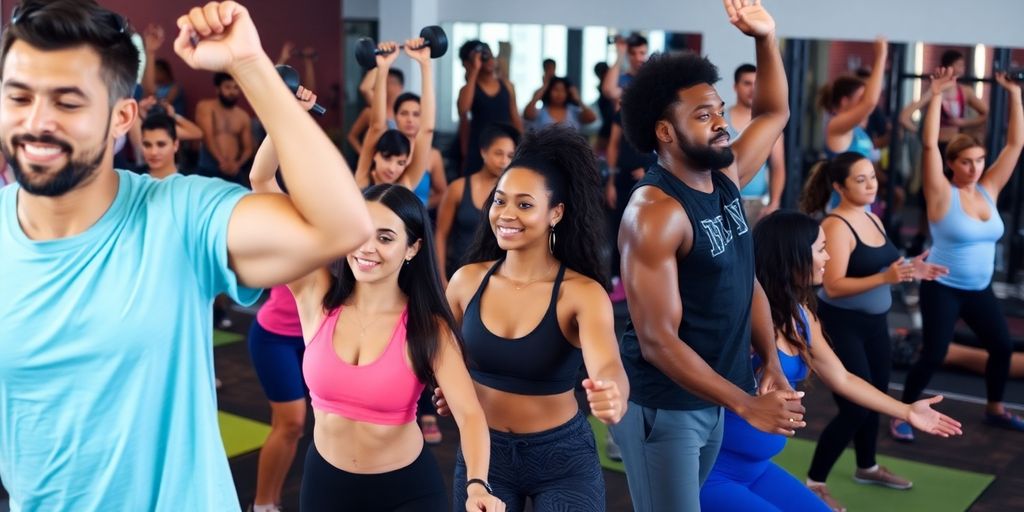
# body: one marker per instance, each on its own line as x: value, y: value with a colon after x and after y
x: 861, y: 341
x: 941, y: 307
x: 417, y: 487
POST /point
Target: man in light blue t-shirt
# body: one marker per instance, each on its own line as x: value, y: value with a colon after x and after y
x: 106, y: 376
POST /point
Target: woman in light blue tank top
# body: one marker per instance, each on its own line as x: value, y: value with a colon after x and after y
x: 965, y: 225
x: 744, y: 476
x: 848, y: 102
x: 562, y: 104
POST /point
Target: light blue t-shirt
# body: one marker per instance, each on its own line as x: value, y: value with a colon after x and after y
x: 107, y: 397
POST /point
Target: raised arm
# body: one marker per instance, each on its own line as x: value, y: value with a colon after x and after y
x: 421, y: 152
x: 531, y: 111
x: 378, y: 114
x: 771, y: 99
x: 513, y: 110
x: 152, y: 40
x: 836, y: 377
x: 586, y: 114
x: 610, y: 82
x: 274, y: 239
x: 844, y: 122
x: 438, y: 180
x: 906, y: 115
x: 654, y: 228
x: 359, y: 128
x: 445, y: 219
x: 936, y: 187
x: 187, y: 130
x: 465, y: 101
x: 366, y: 85
x: 263, y: 175
x: 776, y: 177
x: 999, y: 174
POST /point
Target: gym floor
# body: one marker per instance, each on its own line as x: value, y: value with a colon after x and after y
x: 982, y: 449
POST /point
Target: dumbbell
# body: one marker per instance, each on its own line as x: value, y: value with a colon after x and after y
x: 291, y: 79
x: 433, y: 37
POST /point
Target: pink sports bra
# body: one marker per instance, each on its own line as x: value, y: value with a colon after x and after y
x: 383, y: 392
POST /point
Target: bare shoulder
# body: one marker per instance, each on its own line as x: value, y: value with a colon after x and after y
x: 467, y: 279
x: 652, y: 215
x: 583, y: 290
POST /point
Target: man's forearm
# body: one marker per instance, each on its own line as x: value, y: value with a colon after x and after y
x: 772, y: 93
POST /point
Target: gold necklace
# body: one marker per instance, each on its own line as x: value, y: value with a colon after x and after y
x: 362, y: 328
x: 524, y: 285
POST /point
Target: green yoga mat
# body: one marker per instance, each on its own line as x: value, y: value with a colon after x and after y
x: 241, y: 435
x: 936, y: 488
x: 225, y: 337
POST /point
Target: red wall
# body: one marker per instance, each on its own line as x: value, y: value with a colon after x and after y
x: 315, y: 23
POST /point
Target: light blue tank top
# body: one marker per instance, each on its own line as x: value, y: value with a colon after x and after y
x: 965, y: 245
x: 758, y: 186
x: 422, y: 190
x: 572, y: 117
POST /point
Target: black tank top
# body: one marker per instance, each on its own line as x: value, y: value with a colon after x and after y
x: 485, y: 110
x: 866, y: 260
x: 716, y: 285
x: 467, y: 218
x: 541, y: 363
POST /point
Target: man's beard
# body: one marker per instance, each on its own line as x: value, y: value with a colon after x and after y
x: 227, y: 102
x: 63, y: 181
x: 706, y: 157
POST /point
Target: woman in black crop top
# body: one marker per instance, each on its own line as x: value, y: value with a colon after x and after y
x: 534, y: 309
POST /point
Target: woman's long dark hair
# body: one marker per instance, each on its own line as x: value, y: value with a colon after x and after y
x: 428, y: 311
x: 569, y: 168
x: 784, y: 265
x: 818, y: 189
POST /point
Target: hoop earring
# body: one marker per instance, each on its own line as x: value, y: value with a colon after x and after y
x: 551, y: 240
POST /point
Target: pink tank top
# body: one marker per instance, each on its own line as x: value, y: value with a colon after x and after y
x: 279, y: 314
x: 383, y: 392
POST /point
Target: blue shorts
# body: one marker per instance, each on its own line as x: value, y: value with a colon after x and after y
x: 557, y: 469
x: 277, y: 360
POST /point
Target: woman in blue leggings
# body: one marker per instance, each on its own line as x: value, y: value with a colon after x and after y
x: 744, y: 477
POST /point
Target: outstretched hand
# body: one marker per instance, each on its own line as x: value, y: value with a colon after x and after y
x: 217, y: 37
x: 925, y: 271
x: 943, y: 79
x: 750, y: 17
x: 926, y: 419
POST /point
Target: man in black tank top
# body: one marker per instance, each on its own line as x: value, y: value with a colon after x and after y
x: 687, y: 266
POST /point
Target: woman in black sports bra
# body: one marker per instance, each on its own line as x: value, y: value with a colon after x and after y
x: 534, y: 309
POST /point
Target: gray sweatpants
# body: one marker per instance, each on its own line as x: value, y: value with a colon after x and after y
x: 668, y: 455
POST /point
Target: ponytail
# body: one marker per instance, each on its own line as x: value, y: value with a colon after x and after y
x: 817, y: 190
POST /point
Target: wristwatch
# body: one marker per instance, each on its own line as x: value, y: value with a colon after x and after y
x: 481, y: 482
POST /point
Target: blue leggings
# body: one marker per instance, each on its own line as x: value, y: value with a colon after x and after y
x: 752, y: 485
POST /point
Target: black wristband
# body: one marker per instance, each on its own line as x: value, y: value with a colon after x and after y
x: 481, y: 482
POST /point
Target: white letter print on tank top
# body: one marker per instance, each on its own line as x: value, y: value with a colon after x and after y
x: 721, y: 235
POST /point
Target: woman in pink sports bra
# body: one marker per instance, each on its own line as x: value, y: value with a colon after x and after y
x: 378, y: 329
